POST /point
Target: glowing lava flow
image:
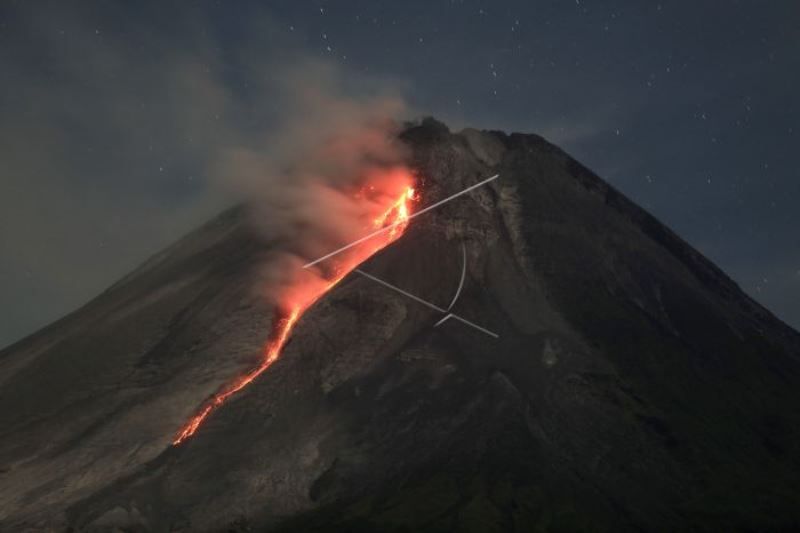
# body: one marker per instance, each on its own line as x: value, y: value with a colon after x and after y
x: 399, y: 212
x: 271, y: 354
x: 396, y: 213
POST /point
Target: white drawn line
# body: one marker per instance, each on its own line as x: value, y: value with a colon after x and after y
x: 401, y: 291
x: 465, y: 321
x: 390, y: 226
x: 443, y: 320
x: 474, y: 325
x: 428, y: 304
x: 463, y: 275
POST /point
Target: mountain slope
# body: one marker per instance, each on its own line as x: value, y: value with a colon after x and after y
x: 633, y: 385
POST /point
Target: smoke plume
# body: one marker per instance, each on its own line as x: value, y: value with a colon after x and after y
x: 332, y: 169
x: 122, y: 130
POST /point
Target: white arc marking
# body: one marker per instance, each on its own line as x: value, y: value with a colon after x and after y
x: 463, y: 275
x: 428, y: 304
x: 394, y: 224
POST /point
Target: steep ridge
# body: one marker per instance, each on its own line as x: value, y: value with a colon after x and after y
x: 632, y: 386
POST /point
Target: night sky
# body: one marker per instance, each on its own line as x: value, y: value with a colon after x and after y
x: 110, y: 114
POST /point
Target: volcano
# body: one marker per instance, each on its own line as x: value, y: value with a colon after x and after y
x: 628, y: 384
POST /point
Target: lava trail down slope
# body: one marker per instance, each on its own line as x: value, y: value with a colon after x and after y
x: 392, y: 221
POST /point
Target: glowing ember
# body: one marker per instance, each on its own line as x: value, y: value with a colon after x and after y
x: 306, y: 288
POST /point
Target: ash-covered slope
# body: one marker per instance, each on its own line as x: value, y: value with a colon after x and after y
x: 633, y: 386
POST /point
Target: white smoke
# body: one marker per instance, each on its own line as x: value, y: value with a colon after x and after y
x: 302, y: 184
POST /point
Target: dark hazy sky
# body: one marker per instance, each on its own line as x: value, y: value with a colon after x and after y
x: 110, y: 114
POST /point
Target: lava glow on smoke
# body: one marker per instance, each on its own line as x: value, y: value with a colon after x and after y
x: 389, y: 197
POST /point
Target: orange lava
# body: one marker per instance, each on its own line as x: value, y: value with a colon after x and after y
x: 307, y: 287
x: 398, y: 212
x: 271, y: 354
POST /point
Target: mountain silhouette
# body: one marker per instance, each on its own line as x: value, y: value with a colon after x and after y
x: 630, y: 385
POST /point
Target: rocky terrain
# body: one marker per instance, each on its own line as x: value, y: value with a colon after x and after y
x: 633, y: 385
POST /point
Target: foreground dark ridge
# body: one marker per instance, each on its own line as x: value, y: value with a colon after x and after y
x: 633, y: 387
